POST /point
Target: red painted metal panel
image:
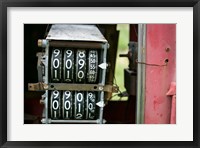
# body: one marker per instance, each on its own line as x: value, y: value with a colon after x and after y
x: 173, y: 110
x: 160, y: 47
x: 172, y: 93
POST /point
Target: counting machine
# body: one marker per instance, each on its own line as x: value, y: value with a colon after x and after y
x: 72, y: 70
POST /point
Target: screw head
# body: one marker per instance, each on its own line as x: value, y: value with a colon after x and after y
x: 100, y: 88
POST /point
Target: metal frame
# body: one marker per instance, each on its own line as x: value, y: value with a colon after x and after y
x: 108, y: 3
x: 98, y: 121
x: 141, y: 74
x: 102, y: 82
x: 67, y: 86
x: 53, y: 40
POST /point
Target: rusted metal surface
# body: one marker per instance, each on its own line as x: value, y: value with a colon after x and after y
x: 132, y: 55
x: 77, y: 32
x: 68, y: 44
x: 160, y: 49
x: 76, y: 87
x: 36, y: 86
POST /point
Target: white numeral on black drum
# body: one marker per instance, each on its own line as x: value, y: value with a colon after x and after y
x: 80, y: 66
x: 92, y: 66
x: 90, y: 105
x: 55, y: 104
x: 67, y: 105
x: 56, y: 65
x: 68, y: 65
x: 79, y: 105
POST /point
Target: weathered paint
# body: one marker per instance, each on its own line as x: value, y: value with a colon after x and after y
x: 173, y: 110
x: 172, y: 93
x: 160, y: 46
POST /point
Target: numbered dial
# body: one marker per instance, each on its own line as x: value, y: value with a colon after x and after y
x: 80, y: 66
x: 67, y: 105
x: 90, y: 105
x: 79, y: 105
x: 92, y: 66
x: 55, y: 104
x: 56, y: 63
x: 68, y: 65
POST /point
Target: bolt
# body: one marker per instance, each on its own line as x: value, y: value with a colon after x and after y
x: 42, y: 43
x: 45, y: 86
x: 39, y: 43
x: 100, y: 88
x: 43, y: 120
x: 167, y: 49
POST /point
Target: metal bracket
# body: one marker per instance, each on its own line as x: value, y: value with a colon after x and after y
x: 76, y: 87
x: 47, y: 121
x: 40, y: 66
x: 36, y: 86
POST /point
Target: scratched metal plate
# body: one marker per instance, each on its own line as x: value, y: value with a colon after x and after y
x: 75, y: 33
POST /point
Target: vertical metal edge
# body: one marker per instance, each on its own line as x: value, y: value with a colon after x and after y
x: 103, y: 83
x: 140, y: 98
x: 46, y: 80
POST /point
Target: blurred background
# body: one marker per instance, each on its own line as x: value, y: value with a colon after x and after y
x: 121, y: 63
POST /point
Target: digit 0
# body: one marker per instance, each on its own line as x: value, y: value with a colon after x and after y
x: 68, y: 63
x: 56, y: 63
x: 55, y: 104
x: 80, y: 74
x: 79, y: 97
x: 67, y: 105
